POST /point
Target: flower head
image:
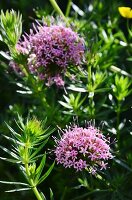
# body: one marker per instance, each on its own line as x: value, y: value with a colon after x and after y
x: 50, y: 50
x: 82, y: 148
x: 125, y: 12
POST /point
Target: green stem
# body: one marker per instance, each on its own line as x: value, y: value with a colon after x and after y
x: 90, y: 87
x: 92, y: 109
x: 129, y: 31
x: 68, y: 8
x: 118, y: 119
x: 24, y: 70
x: 58, y: 10
x: 38, y: 92
x: 89, y: 75
x: 31, y: 182
x: 37, y: 193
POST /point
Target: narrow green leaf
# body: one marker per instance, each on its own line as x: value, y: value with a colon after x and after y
x: 39, y: 148
x: 118, y: 70
x: 77, y: 89
x: 10, y: 160
x: 5, y: 55
x: 19, y: 126
x: 65, y: 105
x: 35, y: 158
x: 18, y: 190
x: 46, y: 174
x: 24, y: 92
x: 51, y: 194
x: 66, y: 98
x: 43, y: 196
x: 12, y: 131
x: 69, y: 113
x: 129, y: 59
x: 23, y: 172
x: 9, y: 152
x: 45, y: 136
x: 23, y: 87
x: 44, y: 122
x: 77, y: 99
x: 13, y: 140
x: 122, y: 164
x: 40, y: 168
x: 81, y: 102
x: 77, y: 9
x: 21, y: 121
x: 14, y: 183
x: 102, y: 90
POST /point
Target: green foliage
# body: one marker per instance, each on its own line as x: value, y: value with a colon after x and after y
x: 27, y: 144
x: 10, y: 28
x: 121, y: 87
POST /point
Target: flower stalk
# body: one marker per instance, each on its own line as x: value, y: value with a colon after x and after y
x: 118, y: 119
x: 58, y: 10
x: 128, y: 28
x: 68, y: 8
x: 91, y: 93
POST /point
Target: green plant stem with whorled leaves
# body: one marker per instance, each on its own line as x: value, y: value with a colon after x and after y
x: 35, y: 87
x: 30, y: 180
x: 27, y: 146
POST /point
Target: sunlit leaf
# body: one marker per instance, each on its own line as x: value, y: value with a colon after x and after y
x: 46, y: 174
x: 40, y: 168
x: 51, y: 195
x: 14, y: 183
x: 18, y: 190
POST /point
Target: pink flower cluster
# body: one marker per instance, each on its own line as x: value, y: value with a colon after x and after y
x: 83, y: 148
x: 50, y: 50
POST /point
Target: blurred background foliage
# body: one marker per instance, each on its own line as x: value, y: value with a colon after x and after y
x: 109, y: 52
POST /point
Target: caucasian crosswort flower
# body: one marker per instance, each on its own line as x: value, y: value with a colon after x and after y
x: 50, y: 50
x: 125, y: 12
x: 83, y: 148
